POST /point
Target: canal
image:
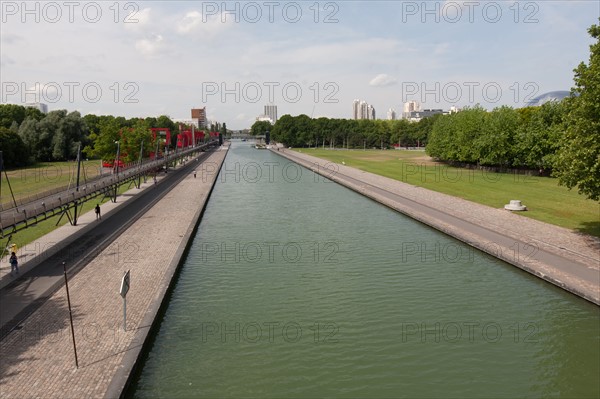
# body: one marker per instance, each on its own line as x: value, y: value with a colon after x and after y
x: 295, y: 286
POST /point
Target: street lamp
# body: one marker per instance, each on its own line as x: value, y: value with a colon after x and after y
x: 118, y: 155
x: 117, y: 169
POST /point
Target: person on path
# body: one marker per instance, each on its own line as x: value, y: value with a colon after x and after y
x: 14, y: 263
x: 97, y: 209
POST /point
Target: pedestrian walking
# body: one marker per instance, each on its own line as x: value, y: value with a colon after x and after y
x: 14, y: 263
x: 98, y: 215
x: 194, y: 174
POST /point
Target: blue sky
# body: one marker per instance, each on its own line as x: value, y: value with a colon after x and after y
x: 305, y: 56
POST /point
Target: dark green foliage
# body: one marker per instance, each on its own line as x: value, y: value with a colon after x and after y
x: 260, y: 128
x: 578, y: 160
x: 302, y: 131
x: 505, y: 137
x: 14, y: 152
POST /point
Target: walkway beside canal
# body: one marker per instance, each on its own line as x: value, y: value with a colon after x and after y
x: 37, y: 358
x: 555, y: 254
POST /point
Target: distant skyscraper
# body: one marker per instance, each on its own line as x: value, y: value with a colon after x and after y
x: 364, y: 110
x: 199, y: 117
x: 370, y: 112
x: 391, y: 114
x: 356, y: 109
x: 271, y: 112
x: 411, y: 106
x: 41, y: 106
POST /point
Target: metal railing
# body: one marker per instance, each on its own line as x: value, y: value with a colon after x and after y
x: 50, y: 203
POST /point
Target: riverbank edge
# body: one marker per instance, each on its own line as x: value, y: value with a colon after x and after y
x: 452, y: 231
x: 131, y: 362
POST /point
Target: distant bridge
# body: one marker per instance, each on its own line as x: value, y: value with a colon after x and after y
x: 242, y: 136
x: 70, y: 201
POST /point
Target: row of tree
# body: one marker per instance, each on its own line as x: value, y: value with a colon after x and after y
x: 558, y: 137
x: 27, y: 135
x: 302, y: 131
x: 562, y: 137
x: 505, y: 137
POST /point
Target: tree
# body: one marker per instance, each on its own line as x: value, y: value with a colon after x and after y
x: 70, y: 133
x: 259, y: 128
x: 538, y: 135
x: 105, y: 146
x: 495, y: 146
x: 10, y: 113
x: 132, y: 139
x: 14, y: 152
x: 578, y: 160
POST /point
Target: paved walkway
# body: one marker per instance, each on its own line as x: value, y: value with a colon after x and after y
x: 37, y: 359
x: 558, y: 255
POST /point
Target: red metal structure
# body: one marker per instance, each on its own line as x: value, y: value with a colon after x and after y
x: 185, y: 138
x: 161, y: 132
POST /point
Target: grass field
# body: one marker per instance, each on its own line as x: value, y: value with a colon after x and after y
x: 29, y: 182
x: 545, y: 199
x: 45, y: 176
x: 31, y: 234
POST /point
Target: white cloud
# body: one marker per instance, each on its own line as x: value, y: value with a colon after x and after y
x: 150, y: 47
x: 196, y: 22
x: 382, y: 80
x: 139, y: 21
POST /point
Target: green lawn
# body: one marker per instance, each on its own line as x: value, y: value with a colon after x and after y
x: 45, y: 176
x: 31, y: 234
x: 545, y: 199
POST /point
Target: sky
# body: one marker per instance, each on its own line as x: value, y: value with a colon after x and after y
x: 140, y: 59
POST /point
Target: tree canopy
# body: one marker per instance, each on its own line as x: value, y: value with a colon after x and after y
x: 578, y: 160
x: 303, y: 131
x: 14, y: 152
x: 260, y: 128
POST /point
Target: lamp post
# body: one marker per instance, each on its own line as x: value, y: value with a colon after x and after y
x: 117, y: 168
x: 118, y: 143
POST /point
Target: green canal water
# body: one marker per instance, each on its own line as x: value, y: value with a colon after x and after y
x: 297, y: 287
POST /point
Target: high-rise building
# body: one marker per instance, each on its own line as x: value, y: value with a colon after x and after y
x: 41, y: 106
x: 271, y: 112
x: 199, y: 117
x: 391, y: 114
x: 370, y: 112
x: 356, y: 109
x: 364, y: 110
x: 411, y: 106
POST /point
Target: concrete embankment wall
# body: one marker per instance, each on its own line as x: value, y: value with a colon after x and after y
x: 132, y: 359
x: 38, y: 358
